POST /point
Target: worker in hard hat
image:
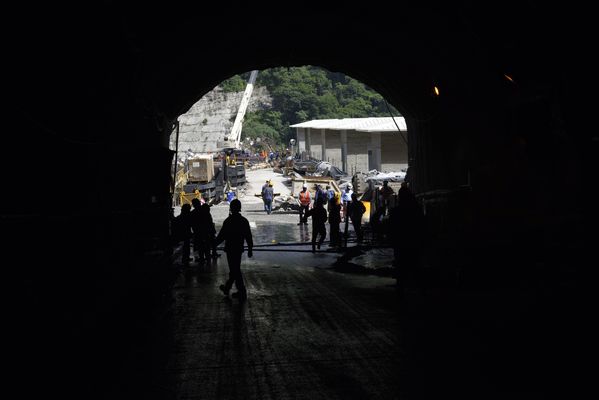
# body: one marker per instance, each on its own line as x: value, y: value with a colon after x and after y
x: 305, y: 199
x: 345, y: 200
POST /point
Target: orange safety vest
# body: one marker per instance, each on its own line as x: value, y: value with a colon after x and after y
x: 304, y: 198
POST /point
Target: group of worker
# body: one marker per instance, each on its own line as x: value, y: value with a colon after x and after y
x: 195, y: 225
x: 198, y: 227
x: 340, y: 207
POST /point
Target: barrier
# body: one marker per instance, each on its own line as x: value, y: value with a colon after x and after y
x: 186, y: 198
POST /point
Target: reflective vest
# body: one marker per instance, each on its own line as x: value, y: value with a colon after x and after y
x: 304, y: 198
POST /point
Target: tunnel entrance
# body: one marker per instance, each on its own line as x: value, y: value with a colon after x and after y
x: 302, y: 125
x: 487, y: 153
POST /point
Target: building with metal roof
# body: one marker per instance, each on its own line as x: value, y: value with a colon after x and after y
x: 356, y: 144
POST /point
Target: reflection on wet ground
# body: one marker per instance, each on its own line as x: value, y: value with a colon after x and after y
x: 265, y: 233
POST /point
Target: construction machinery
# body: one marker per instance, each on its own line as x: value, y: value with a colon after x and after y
x: 231, y: 172
x: 198, y: 175
x: 211, y: 176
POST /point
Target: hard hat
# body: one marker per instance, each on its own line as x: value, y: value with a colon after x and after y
x: 305, y: 186
x: 349, y: 186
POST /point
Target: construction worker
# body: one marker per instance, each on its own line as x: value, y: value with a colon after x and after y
x: 235, y: 230
x: 319, y: 217
x: 305, y: 199
x: 330, y: 192
x: 268, y: 197
x: 182, y: 232
x: 346, y: 199
x: 355, y: 210
x: 320, y: 194
x: 334, y: 220
x: 385, y: 195
x: 262, y: 193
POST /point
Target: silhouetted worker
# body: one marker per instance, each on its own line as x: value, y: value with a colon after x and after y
x: 355, y: 210
x: 304, y: 199
x: 206, y: 232
x: 210, y: 233
x: 196, y: 219
x: 385, y: 195
x: 406, y: 231
x: 382, y: 209
x: 334, y: 221
x: 182, y: 232
x: 268, y: 196
x: 319, y: 218
x: 235, y: 230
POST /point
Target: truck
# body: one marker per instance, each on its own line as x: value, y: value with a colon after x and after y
x: 198, y: 178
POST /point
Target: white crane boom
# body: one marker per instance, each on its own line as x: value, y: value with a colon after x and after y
x: 235, y: 136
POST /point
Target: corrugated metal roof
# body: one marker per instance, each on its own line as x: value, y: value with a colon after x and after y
x: 384, y: 124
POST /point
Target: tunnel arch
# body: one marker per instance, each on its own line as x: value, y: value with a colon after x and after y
x: 142, y: 67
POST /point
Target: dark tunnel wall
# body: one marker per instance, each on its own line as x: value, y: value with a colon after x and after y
x: 94, y: 92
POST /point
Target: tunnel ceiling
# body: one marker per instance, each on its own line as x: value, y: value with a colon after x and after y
x: 147, y: 60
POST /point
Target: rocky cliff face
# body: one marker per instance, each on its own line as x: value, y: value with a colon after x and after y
x: 211, y: 119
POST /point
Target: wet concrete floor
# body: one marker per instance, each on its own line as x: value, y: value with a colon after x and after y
x: 308, y: 331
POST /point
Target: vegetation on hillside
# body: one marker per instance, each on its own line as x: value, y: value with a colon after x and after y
x: 305, y: 93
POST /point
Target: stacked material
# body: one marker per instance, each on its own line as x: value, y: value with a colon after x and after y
x: 378, y: 177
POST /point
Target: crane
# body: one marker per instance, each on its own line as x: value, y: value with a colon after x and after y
x: 234, y: 137
x: 202, y: 167
x: 234, y: 175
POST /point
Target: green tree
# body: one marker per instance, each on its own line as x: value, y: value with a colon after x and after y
x: 233, y: 84
x: 301, y: 94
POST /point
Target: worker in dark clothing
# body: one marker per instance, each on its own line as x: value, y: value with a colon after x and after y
x: 210, y: 233
x: 267, y: 196
x: 262, y: 193
x: 355, y: 210
x: 198, y: 227
x: 320, y: 194
x: 334, y: 221
x: 181, y: 232
x: 385, y: 195
x: 235, y: 230
x: 406, y: 230
x: 319, y: 218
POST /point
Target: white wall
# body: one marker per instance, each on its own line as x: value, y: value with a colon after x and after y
x: 315, y: 144
x: 301, y: 139
x: 394, y: 152
x: 333, y: 148
x: 357, y: 151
